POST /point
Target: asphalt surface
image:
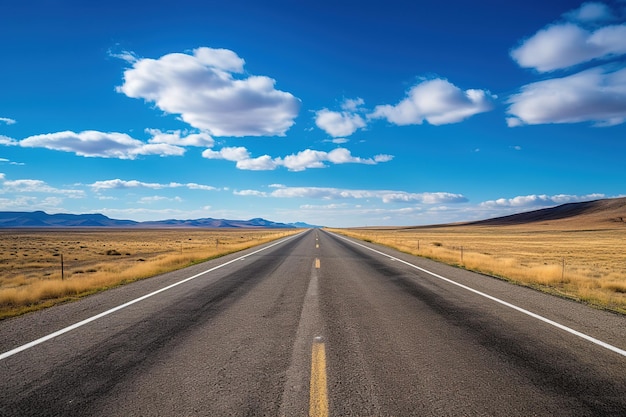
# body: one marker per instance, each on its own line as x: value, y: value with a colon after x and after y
x: 315, y: 324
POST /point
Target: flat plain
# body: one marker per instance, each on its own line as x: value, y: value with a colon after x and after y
x: 43, y: 267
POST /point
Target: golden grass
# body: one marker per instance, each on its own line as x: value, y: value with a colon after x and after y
x: 585, y: 265
x: 32, y: 277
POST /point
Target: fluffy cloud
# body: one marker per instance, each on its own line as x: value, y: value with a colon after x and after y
x: 386, y: 196
x: 338, y: 124
x: 209, y: 92
x: 538, y: 201
x: 262, y: 163
x: 565, y: 45
x: 308, y: 158
x: 7, y: 120
x: 301, y: 161
x: 118, y: 184
x: 342, y: 123
x: 228, y: 153
x: 92, y: 143
x: 436, y: 101
x: 595, y: 95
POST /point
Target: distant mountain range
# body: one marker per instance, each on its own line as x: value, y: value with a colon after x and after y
x: 607, y: 212
x: 36, y: 219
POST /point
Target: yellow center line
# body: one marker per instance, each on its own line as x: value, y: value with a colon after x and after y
x: 317, y: 263
x: 318, y: 398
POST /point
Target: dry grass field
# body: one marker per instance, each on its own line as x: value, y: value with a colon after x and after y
x: 32, y: 276
x: 579, y: 255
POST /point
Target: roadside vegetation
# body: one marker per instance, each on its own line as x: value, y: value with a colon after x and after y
x: 40, y: 268
x: 586, y: 265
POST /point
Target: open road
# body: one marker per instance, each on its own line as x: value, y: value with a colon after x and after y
x: 315, y: 324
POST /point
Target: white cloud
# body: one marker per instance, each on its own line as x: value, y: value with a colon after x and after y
x: 177, y: 138
x: 118, y: 184
x: 338, y: 124
x: 127, y: 56
x: 386, y: 196
x: 261, y: 163
x: 157, y: 199
x: 203, y: 89
x: 564, y: 45
x: 301, y: 161
x: 7, y: 141
x: 337, y: 141
x: 305, y: 159
x: 228, y: 153
x: 343, y: 123
x: 422, y: 198
x: 343, y: 156
x: 241, y: 156
x: 194, y: 186
x: 383, y: 158
x: 538, y: 201
x: 29, y: 203
x: 7, y: 120
x: 316, y: 159
x: 35, y: 186
x: 248, y: 193
x: 595, y: 95
x: 436, y: 101
x: 92, y: 143
x: 352, y: 105
x: 591, y: 12
x: 8, y: 161
x: 221, y: 59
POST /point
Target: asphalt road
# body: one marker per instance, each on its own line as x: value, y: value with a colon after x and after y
x: 319, y: 325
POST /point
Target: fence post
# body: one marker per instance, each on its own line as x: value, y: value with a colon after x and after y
x: 62, y: 269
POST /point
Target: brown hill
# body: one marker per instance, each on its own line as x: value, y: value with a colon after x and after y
x: 598, y: 213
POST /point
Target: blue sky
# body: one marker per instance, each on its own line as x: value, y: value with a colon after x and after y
x: 344, y: 113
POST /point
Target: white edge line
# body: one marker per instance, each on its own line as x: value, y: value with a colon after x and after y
x: 497, y: 300
x: 136, y: 300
